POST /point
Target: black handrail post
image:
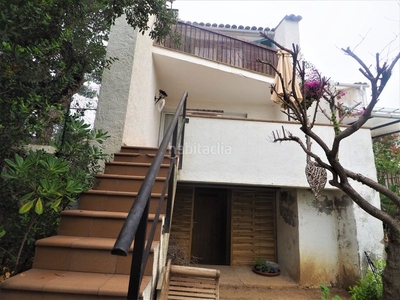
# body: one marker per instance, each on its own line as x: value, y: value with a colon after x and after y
x: 182, y: 141
x: 174, y: 151
x: 137, y: 255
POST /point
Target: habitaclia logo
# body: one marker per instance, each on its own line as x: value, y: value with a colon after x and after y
x: 199, y: 149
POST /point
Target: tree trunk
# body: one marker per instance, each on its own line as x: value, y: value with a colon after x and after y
x: 391, y: 274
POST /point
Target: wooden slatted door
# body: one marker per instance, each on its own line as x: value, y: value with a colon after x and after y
x: 181, y: 228
x: 253, y: 226
x: 209, y: 235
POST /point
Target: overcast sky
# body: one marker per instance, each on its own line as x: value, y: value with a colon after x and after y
x: 327, y: 26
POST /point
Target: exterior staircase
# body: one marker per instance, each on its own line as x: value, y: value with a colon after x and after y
x: 77, y: 263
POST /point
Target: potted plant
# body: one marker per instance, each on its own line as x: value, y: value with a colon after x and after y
x: 266, y: 268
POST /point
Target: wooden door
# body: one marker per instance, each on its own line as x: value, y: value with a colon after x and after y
x: 253, y: 226
x: 209, y: 236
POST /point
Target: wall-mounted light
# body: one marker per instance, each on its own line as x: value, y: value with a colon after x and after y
x: 162, y: 95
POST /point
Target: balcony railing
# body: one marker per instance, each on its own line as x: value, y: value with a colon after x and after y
x: 208, y: 44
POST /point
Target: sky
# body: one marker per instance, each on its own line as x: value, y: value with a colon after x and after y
x: 367, y: 27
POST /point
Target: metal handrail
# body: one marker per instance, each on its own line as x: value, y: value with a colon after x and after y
x: 215, y: 46
x: 135, y: 225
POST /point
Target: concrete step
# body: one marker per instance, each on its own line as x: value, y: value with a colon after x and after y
x: 77, y: 263
x: 129, y: 168
x: 84, y: 254
x: 138, y: 157
x: 103, y: 200
x: 42, y: 284
x: 125, y: 183
x: 140, y: 149
x: 104, y: 224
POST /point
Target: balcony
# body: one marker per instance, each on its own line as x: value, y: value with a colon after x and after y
x: 222, y: 150
x: 221, y: 48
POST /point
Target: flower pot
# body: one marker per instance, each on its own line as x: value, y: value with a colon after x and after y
x: 266, y: 273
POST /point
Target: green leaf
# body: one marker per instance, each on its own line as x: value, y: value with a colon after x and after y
x: 39, y: 207
x: 45, y: 184
x: 26, y: 207
x: 19, y: 160
x: 9, y: 175
x: 74, y: 187
x: 26, y: 197
x: 2, y: 232
x: 73, y: 200
x: 55, y: 204
x: 10, y: 163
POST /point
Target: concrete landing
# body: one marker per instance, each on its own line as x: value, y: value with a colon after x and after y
x: 244, y: 276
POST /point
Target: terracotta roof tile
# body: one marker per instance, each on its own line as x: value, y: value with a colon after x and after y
x: 229, y: 26
x: 291, y: 17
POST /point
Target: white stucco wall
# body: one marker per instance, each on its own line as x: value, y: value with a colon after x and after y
x: 142, y: 116
x: 321, y: 241
x: 126, y: 102
x: 349, y: 240
x: 318, y: 242
x: 252, y: 111
x: 287, y: 232
x: 369, y: 229
x: 114, y: 91
x: 240, y: 152
x: 287, y: 32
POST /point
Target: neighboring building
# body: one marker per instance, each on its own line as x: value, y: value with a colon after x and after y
x: 239, y: 196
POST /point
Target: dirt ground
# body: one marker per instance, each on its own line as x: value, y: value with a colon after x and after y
x: 276, y: 293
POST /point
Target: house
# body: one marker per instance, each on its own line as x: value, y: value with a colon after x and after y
x: 238, y: 196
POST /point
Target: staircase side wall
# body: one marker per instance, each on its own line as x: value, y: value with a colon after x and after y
x: 126, y: 107
x: 114, y: 91
x: 142, y: 121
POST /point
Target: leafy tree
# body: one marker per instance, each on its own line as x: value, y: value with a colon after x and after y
x: 316, y: 168
x: 48, y: 47
x: 387, y: 157
x: 387, y: 162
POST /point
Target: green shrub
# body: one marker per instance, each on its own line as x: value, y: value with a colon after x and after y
x: 370, y: 287
x: 36, y: 186
x: 326, y: 292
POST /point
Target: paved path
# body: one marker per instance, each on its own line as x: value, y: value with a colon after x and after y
x: 241, y: 283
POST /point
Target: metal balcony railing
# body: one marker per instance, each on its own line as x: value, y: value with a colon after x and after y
x: 208, y: 44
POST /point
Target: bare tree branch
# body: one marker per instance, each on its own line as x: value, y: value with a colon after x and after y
x: 341, y: 177
x: 298, y: 112
x: 362, y: 39
x: 275, y: 42
x: 348, y: 112
x: 366, y: 206
x: 374, y: 185
x: 288, y: 136
x: 386, y: 72
x: 325, y: 113
x: 364, y: 69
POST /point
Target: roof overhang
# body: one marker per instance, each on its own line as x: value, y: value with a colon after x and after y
x: 207, y: 80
